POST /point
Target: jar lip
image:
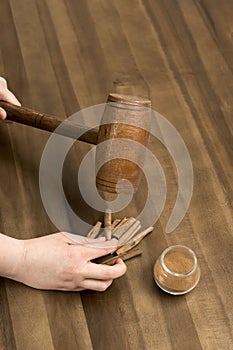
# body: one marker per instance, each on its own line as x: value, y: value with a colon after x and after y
x: 187, y: 273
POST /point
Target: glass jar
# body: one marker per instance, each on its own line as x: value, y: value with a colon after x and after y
x: 176, y: 271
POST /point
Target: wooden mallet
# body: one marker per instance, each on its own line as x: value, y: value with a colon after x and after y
x: 126, y: 117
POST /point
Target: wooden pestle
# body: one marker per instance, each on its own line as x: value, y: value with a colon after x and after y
x: 119, y: 109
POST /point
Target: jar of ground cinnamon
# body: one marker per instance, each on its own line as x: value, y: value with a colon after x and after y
x: 176, y: 271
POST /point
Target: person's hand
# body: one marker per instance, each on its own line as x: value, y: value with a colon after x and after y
x: 56, y: 262
x: 6, y: 95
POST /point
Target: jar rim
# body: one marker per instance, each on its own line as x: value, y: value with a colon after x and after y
x: 187, y: 273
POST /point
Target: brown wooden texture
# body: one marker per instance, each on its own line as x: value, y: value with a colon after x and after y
x: 27, y: 116
x: 124, y: 117
x: 60, y: 56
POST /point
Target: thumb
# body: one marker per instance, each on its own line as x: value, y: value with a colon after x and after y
x: 2, y: 113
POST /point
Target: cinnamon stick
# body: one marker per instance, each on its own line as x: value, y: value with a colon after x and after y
x: 122, y: 227
x: 93, y: 233
x: 124, y: 256
x: 134, y: 241
x: 130, y: 233
x: 115, y: 223
x: 107, y: 224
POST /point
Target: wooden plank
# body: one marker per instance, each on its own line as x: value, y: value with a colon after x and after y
x: 29, y: 317
x: 59, y: 56
x: 7, y: 339
x: 29, y: 333
x: 67, y: 321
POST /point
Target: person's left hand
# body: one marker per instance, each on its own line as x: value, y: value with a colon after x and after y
x: 6, y: 95
x: 62, y: 261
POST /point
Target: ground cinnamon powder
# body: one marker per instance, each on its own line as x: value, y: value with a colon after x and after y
x: 179, y: 263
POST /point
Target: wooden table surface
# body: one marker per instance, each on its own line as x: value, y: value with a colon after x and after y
x: 61, y: 56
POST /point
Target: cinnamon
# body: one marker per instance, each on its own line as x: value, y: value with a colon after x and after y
x: 93, y: 233
x: 125, y: 231
x: 107, y: 224
x: 176, y: 272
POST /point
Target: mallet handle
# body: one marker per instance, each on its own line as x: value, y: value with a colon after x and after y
x: 46, y: 122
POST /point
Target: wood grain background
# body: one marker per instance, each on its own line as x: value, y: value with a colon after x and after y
x: 60, y: 56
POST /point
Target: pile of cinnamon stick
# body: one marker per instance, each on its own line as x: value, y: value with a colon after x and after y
x: 127, y: 233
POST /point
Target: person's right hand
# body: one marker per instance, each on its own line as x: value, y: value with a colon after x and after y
x: 6, y: 95
x: 56, y: 262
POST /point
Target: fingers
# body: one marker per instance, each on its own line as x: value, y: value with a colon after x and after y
x: 2, y: 113
x: 100, y: 277
x: 105, y: 272
x: 110, y: 245
x: 92, y: 247
x: 96, y: 277
x: 97, y: 285
x: 92, y: 251
x: 84, y: 273
x: 7, y: 95
x: 82, y: 239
